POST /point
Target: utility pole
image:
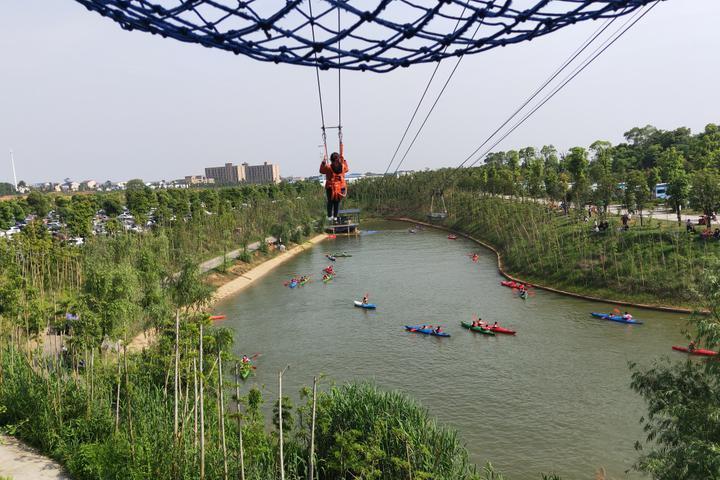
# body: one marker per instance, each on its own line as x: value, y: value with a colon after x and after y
x: 12, y: 161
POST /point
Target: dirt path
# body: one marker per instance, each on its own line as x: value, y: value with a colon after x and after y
x: 20, y: 462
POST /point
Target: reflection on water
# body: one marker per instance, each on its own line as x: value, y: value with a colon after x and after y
x: 555, y: 397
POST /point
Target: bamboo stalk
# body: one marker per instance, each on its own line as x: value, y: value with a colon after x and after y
x: 241, y: 453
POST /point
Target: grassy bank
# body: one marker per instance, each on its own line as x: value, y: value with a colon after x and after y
x: 656, y: 263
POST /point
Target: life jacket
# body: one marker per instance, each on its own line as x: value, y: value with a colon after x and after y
x: 335, y: 181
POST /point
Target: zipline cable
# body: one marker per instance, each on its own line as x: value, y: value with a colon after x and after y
x: 427, y: 116
x: 317, y: 76
x: 422, y: 97
x: 577, y: 71
x: 339, y: 86
x: 589, y: 41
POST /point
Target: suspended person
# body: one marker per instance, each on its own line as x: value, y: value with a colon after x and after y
x: 335, y: 186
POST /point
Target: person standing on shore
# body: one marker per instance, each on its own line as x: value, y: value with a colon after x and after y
x: 335, y: 186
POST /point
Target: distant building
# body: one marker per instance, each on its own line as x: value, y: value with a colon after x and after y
x: 198, y: 180
x: 227, y: 174
x: 265, y: 173
x: 89, y: 185
x: 230, y: 174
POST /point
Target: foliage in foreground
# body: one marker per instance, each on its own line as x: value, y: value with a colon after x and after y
x: 361, y: 432
x: 683, y: 420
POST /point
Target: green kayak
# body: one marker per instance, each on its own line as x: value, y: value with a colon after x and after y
x: 484, y: 331
x: 341, y: 255
x: 245, y: 370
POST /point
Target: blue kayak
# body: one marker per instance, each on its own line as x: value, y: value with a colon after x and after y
x: 425, y: 331
x: 615, y: 318
x: 369, y: 306
x: 293, y: 284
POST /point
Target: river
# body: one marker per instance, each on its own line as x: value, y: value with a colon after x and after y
x: 554, y: 398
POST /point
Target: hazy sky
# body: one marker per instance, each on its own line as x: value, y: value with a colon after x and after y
x: 82, y: 98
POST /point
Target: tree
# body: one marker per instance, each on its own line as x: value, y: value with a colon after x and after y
x: 577, y: 164
x: 705, y: 193
x: 112, y: 206
x: 672, y: 170
x: 39, y: 203
x: 682, y: 425
x: 637, y: 193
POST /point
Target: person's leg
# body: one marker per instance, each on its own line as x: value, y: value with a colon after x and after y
x: 328, y: 194
x: 336, y: 208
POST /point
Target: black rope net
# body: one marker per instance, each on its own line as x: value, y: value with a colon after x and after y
x: 375, y: 35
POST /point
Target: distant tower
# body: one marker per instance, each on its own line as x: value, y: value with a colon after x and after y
x: 12, y: 161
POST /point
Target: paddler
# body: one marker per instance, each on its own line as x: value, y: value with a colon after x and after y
x: 627, y: 316
x: 438, y: 329
x: 365, y: 299
x: 692, y: 346
x: 245, y: 359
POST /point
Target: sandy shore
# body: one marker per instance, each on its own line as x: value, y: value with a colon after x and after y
x: 146, y: 338
x: 248, y: 278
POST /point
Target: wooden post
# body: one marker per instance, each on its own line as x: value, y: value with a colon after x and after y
x: 282, y: 457
x: 237, y: 399
x: 221, y: 394
x: 175, y: 377
x: 311, y: 471
x: 202, y: 409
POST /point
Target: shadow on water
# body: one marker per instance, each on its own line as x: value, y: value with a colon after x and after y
x: 555, y: 397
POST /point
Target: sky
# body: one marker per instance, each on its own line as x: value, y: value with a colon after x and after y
x: 83, y: 99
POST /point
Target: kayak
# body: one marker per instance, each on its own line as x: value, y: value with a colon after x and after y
x: 697, y: 351
x: 369, y: 306
x: 341, y: 255
x: 412, y: 230
x: 303, y: 282
x: 217, y: 317
x: 615, y: 318
x: 452, y: 237
x: 511, y: 284
x: 328, y: 278
x: 330, y: 257
x: 293, y: 284
x: 425, y: 331
x: 329, y: 271
x: 500, y: 329
x: 245, y: 370
x: 484, y: 331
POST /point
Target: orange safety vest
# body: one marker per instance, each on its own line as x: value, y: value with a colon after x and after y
x: 335, y: 182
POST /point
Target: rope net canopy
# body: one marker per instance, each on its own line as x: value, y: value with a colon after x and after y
x: 375, y: 35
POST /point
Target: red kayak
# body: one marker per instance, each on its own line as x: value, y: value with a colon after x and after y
x: 500, y: 329
x: 217, y: 317
x: 697, y: 351
x: 452, y: 237
x: 511, y: 284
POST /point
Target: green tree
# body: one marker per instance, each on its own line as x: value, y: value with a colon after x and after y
x: 39, y: 203
x: 637, y: 193
x: 705, y: 192
x: 682, y: 424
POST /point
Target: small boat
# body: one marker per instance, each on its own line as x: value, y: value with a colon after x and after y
x: 303, y: 281
x: 329, y: 271
x: 484, y: 331
x: 341, y: 255
x: 511, y: 284
x: 499, y: 329
x: 328, y: 278
x: 217, y: 317
x: 697, y: 351
x: 332, y: 236
x: 425, y: 331
x: 452, y: 237
x: 412, y: 230
x: 330, y: 257
x: 369, y: 306
x: 293, y: 284
x: 246, y: 370
x: 616, y: 318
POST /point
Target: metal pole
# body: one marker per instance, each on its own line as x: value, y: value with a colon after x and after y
x: 12, y: 161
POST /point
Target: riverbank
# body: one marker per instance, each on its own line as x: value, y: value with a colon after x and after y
x: 253, y: 275
x: 230, y: 285
x: 20, y: 462
x: 535, y: 284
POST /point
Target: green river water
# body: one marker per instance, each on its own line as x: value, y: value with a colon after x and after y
x: 555, y: 397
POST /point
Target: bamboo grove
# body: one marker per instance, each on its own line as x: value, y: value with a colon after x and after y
x: 179, y: 410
